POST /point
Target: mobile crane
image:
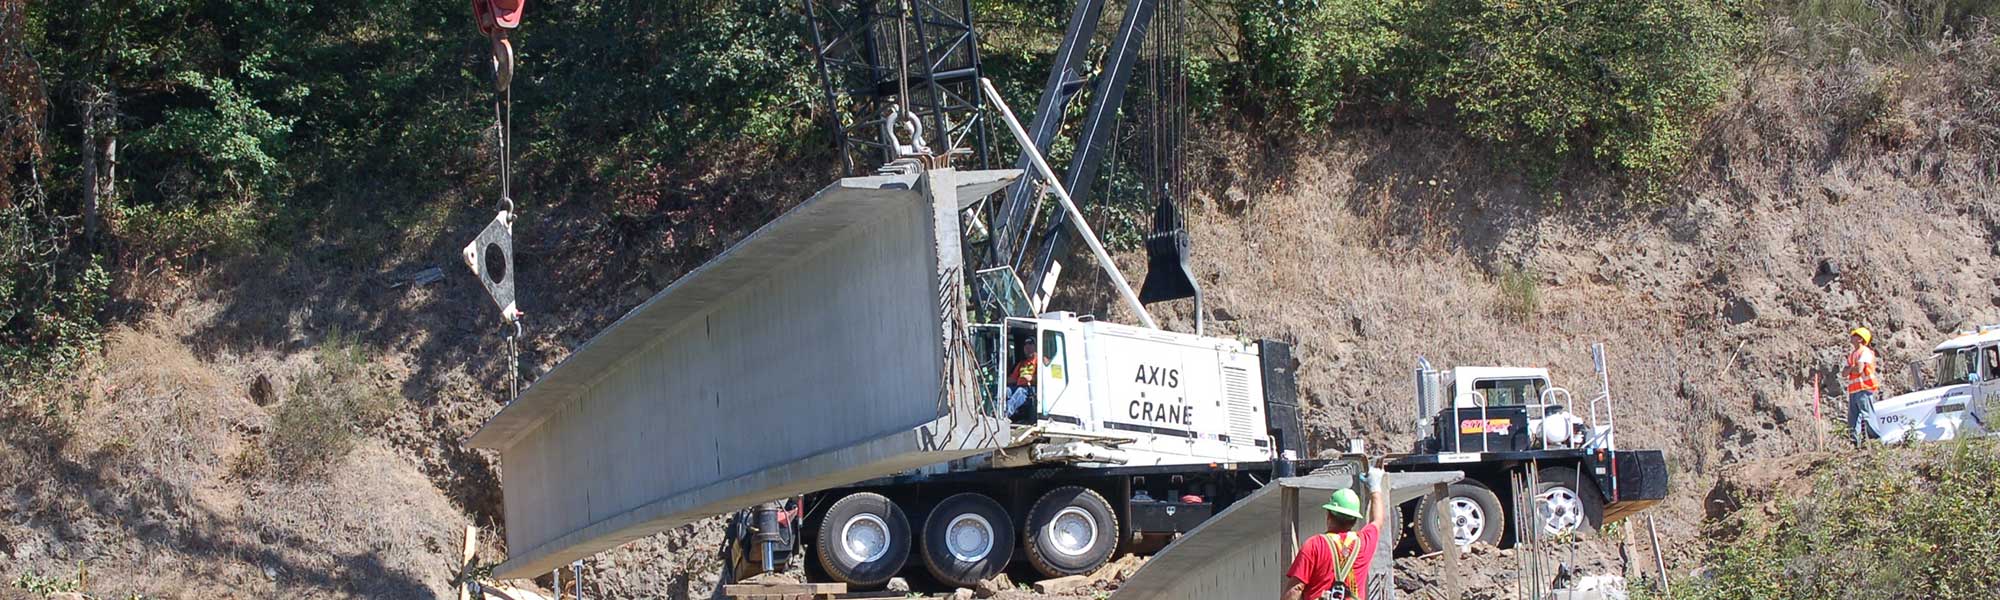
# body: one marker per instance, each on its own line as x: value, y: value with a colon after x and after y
x: 1129, y: 435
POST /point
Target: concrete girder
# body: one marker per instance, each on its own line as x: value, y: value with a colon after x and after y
x: 827, y: 347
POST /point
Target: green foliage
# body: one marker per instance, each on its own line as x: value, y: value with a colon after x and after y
x: 1896, y: 523
x: 229, y: 143
x: 50, y: 298
x: 1520, y: 294
x: 330, y: 402
x: 173, y: 234
x: 1620, y: 83
x: 44, y: 585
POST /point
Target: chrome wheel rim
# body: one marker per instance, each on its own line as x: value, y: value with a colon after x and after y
x: 968, y: 538
x: 1560, y: 509
x: 1072, y: 532
x: 865, y: 537
x: 1468, y: 520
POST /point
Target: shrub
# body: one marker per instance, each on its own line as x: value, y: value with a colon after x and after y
x: 50, y: 297
x: 174, y: 234
x: 1520, y: 294
x: 1895, y: 523
x: 329, y: 404
x: 1621, y: 83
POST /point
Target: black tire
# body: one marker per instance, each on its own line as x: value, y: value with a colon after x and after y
x: 965, y: 564
x: 874, y: 513
x: 1059, y: 548
x: 1567, y: 507
x: 1473, y: 500
x: 1392, y: 531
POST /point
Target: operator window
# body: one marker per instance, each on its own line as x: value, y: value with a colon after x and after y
x: 1509, y: 392
x: 1054, y: 354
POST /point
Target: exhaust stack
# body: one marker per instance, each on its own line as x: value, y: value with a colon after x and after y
x: 1427, y: 397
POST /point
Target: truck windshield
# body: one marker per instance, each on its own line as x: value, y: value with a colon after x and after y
x: 1957, y: 366
x: 1509, y: 392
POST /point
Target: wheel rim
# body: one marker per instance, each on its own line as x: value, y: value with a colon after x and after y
x: 969, y: 538
x: 1072, y: 532
x: 1468, y: 520
x: 865, y: 537
x: 1560, y: 509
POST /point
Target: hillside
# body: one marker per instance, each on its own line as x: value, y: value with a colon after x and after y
x: 282, y: 411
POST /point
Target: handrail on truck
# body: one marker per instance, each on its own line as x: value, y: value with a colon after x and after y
x: 1550, y: 398
x: 1485, y: 444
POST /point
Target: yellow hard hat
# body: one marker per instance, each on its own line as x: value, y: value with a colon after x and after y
x: 1866, y: 337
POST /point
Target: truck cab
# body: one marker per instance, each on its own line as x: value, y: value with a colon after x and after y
x: 1503, y: 409
x: 1957, y: 404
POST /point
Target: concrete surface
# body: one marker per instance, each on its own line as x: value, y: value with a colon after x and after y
x: 1236, y: 554
x: 827, y: 347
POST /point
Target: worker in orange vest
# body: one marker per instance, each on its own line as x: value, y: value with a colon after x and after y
x: 1021, y: 380
x: 1862, y: 383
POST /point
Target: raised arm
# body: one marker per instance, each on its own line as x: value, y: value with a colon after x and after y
x: 1378, y: 501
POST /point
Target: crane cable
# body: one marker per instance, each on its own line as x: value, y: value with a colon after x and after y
x: 503, y: 112
x: 906, y: 115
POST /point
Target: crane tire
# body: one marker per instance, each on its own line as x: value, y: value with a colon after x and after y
x: 863, y: 540
x: 1070, y: 531
x: 966, y: 539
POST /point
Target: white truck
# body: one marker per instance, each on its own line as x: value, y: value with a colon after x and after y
x: 1957, y: 404
x: 1500, y: 420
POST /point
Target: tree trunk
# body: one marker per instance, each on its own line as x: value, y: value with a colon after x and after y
x: 90, y: 187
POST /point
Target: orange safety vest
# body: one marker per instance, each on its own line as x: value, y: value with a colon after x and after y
x: 1024, y: 374
x: 1346, y: 549
x: 1861, y: 371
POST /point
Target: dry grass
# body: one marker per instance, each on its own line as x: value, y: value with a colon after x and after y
x: 133, y: 480
x: 330, y: 404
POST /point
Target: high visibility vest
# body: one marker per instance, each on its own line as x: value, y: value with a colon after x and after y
x: 1024, y: 374
x: 1861, y: 371
x: 1346, y: 549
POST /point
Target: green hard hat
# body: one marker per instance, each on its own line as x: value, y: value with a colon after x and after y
x: 1344, y: 502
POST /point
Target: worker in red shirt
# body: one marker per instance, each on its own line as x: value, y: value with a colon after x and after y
x: 1334, y: 565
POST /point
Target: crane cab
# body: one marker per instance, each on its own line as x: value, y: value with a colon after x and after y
x: 1081, y: 391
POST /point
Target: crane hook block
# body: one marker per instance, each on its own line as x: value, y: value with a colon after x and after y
x: 490, y: 15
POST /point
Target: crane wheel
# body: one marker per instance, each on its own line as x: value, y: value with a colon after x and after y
x: 1468, y: 513
x: 1070, y: 531
x: 863, y: 540
x: 967, y: 539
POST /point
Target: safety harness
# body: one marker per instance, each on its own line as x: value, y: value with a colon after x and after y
x: 1346, y: 549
